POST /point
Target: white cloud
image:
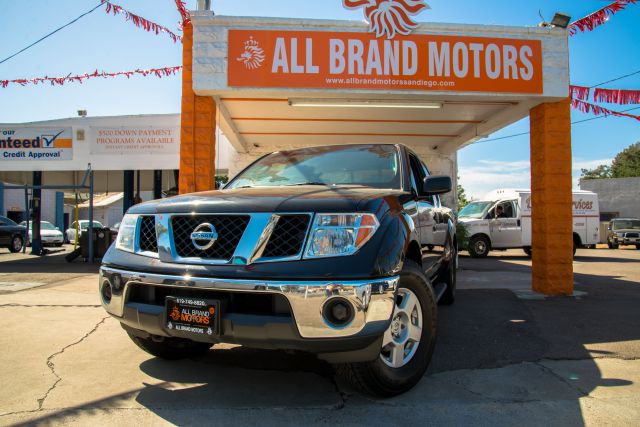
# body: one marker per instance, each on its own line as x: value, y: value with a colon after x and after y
x: 492, y: 174
x: 579, y: 164
x: 487, y: 175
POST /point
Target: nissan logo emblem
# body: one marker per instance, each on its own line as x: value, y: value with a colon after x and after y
x: 204, y: 236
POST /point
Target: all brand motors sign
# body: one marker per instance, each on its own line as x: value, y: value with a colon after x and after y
x: 23, y: 143
x: 342, y: 60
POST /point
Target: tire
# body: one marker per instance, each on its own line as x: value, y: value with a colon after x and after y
x: 430, y: 247
x: 16, y: 244
x: 638, y: 247
x: 378, y: 377
x: 527, y: 250
x: 171, y: 348
x: 449, y: 295
x: 479, y: 247
x: 612, y: 245
x: 57, y: 245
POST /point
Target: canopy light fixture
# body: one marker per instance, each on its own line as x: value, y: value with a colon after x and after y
x: 561, y: 20
x: 363, y: 103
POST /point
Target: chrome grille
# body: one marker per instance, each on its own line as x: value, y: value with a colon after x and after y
x: 229, y: 228
x: 148, y: 238
x: 287, y: 237
x: 632, y: 235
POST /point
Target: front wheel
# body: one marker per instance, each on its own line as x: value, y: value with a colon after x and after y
x: 16, y: 244
x: 171, y: 348
x: 527, y: 250
x: 612, y: 245
x: 408, y: 343
x: 479, y: 247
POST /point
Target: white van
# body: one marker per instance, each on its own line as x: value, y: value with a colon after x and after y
x: 503, y: 221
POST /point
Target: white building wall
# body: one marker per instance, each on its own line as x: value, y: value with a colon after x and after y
x: 616, y: 195
x: 14, y: 201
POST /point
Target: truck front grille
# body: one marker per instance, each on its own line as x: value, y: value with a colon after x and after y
x: 148, y: 238
x: 632, y: 235
x: 288, y: 236
x: 229, y: 228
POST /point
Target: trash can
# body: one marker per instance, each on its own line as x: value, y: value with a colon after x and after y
x: 101, y: 242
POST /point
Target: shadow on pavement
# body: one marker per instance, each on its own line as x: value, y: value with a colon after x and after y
x: 53, y: 263
x: 484, y: 329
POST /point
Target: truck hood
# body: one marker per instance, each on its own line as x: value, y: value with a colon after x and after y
x: 304, y: 198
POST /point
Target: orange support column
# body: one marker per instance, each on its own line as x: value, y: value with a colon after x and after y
x: 551, y: 199
x: 198, y: 128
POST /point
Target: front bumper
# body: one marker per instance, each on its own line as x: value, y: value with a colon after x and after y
x: 304, y: 328
x: 627, y: 240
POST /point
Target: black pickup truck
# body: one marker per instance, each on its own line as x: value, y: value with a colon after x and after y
x: 341, y: 251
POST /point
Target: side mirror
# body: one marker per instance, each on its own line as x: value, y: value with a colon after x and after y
x: 437, y: 184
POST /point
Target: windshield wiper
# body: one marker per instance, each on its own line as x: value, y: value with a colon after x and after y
x: 324, y: 184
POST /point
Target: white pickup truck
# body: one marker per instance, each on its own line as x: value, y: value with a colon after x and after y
x: 503, y: 221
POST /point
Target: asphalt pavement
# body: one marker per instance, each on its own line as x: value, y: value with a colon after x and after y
x: 501, y: 358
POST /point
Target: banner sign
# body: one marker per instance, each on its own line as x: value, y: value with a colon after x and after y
x: 341, y: 60
x: 24, y: 143
x: 135, y: 140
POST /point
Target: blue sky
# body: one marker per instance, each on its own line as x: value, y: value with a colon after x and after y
x: 108, y: 43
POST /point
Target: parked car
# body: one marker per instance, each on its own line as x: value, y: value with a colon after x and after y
x: 623, y: 231
x: 49, y: 233
x: 12, y: 235
x: 503, y: 221
x: 318, y: 249
x: 82, y: 225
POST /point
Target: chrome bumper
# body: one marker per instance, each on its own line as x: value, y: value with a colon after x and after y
x: 372, y: 300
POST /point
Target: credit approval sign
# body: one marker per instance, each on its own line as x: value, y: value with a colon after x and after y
x: 26, y: 143
x: 343, y: 60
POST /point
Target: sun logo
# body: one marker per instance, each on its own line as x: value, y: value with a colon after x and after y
x: 389, y: 17
x: 253, y: 55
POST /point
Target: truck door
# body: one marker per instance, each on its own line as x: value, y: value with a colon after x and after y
x: 426, y: 217
x: 506, y: 228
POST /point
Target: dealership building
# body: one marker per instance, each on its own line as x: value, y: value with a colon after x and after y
x: 134, y: 158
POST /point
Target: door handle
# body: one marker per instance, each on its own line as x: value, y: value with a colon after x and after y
x: 518, y: 223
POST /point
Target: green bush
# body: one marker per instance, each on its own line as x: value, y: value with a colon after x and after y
x: 462, y: 235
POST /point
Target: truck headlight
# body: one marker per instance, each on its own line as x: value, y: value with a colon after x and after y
x: 340, y: 234
x: 127, y: 233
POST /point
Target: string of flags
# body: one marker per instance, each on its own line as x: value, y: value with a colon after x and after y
x: 597, y: 110
x: 139, y: 21
x: 59, y: 81
x: 599, y: 17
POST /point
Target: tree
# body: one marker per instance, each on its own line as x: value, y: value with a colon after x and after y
x: 627, y: 163
x: 602, y: 171
x: 462, y: 197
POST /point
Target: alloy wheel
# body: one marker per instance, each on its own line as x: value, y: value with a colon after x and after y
x: 402, y: 338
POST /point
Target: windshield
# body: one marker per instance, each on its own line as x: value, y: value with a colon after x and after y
x: 368, y: 165
x: 46, y: 226
x: 85, y: 225
x: 476, y: 210
x: 627, y: 224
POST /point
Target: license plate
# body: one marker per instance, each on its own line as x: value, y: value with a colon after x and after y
x: 192, y: 317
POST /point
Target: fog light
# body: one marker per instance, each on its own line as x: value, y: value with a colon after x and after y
x: 106, y: 292
x: 338, y: 312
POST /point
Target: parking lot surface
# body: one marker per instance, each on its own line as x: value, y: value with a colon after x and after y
x: 502, y: 358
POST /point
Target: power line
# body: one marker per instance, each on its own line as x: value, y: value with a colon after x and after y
x: 573, y: 123
x: 50, y: 34
x: 616, y: 79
